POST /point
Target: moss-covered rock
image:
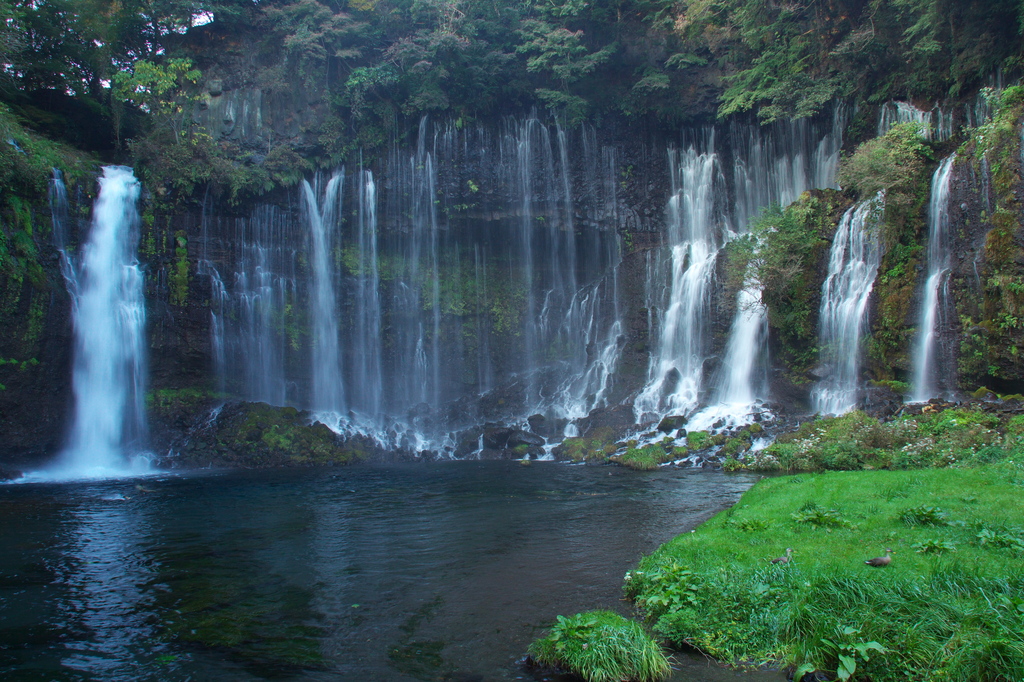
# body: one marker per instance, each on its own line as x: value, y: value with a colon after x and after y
x: 255, y: 435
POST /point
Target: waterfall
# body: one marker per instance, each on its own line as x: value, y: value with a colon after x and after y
x: 365, y: 345
x: 416, y: 295
x: 322, y: 217
x: 773, y: 165
x: 853, y: 266
x: 697, y: 228
x: 263, y: 297
x: 893, y: 113
x: 541, y: 188
x: 108, y: 379
x: 929, y: 378
x: 58, y: 196
x: 472, y: 278
x: 595, y: 350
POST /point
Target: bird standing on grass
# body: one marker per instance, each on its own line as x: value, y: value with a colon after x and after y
x: 880, y: 561
x: 783, y: 559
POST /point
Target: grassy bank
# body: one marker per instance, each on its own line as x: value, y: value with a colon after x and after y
x: 950, y: 606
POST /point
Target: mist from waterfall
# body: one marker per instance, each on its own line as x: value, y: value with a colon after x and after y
x: 929, y: 378
x: 853, y: 266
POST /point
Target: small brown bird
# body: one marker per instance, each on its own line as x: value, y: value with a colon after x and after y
x: 880, y: 561
x: 783, y: 559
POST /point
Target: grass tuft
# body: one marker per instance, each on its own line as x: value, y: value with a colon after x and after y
x: 601, y: 646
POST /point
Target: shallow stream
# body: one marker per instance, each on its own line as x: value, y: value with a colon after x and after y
x: 405, y: 572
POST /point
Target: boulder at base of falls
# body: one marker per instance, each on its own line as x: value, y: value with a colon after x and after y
x: 618, y: 419
x: 881, y: 402
x: 496, y: 437
x: 257, y: 435
x: 519, y: 438
x: 546, y: 427
x: 671, y: 423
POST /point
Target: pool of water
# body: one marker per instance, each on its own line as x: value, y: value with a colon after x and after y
x: 404, y: 572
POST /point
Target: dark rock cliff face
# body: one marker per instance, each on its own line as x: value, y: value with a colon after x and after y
x: 35, y: 348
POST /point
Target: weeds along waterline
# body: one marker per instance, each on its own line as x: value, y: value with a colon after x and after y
x: 602, y: 646
x: 950, y: 606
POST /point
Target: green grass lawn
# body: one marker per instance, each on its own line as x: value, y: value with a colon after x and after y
x: 950, y: 606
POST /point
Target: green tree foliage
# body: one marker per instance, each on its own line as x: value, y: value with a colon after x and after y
x: 166, y: 91
x: 314, y: 35
x: 792, y: 58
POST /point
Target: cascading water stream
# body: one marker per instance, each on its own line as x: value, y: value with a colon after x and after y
x: 742, y: 381
x: 328, y: 400
x: 894, y: 113
x: 474, y: 280
x: 697, y: 228
x: 368, y: 384
x: 770, y: 167
x: 928, y: 380
x: 108, y: 431
x: 853, y: 267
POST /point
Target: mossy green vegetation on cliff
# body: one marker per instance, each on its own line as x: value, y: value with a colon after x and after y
x: 993, y: 332
x: 947, y: 607
x: 897, y: 164
x: 786, y: 253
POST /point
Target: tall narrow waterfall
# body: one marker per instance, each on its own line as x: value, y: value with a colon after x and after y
x: 365, y: 344
x: 109, y: 318
x: 853, y: 266
x: 697, y: 229
x: 322, y: 217
x: 929, y: 380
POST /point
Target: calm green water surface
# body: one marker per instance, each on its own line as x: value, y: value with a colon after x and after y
x: 405, y: 572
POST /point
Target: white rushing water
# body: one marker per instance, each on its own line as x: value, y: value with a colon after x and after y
x: 853, y: 267
x: 742, y: 384
x: 697, y: 229
x: 322, y: 213
x: 473, y: 278
x: 771, y: 166
x: 927, y: 380
x: 108, y: 432
x: 893, y: 113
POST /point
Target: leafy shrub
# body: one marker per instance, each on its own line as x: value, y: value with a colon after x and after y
x: 750, y: 525
x: 1001, y: 538
x: 933, y: 546
x: 698, y: 440
x: 957, y: 437
x: 601, y: 646
x: 817, y: 517
x: 667, y: 587
x: 735, y: 446
x: 891, y: 163
x: 925, y: 516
